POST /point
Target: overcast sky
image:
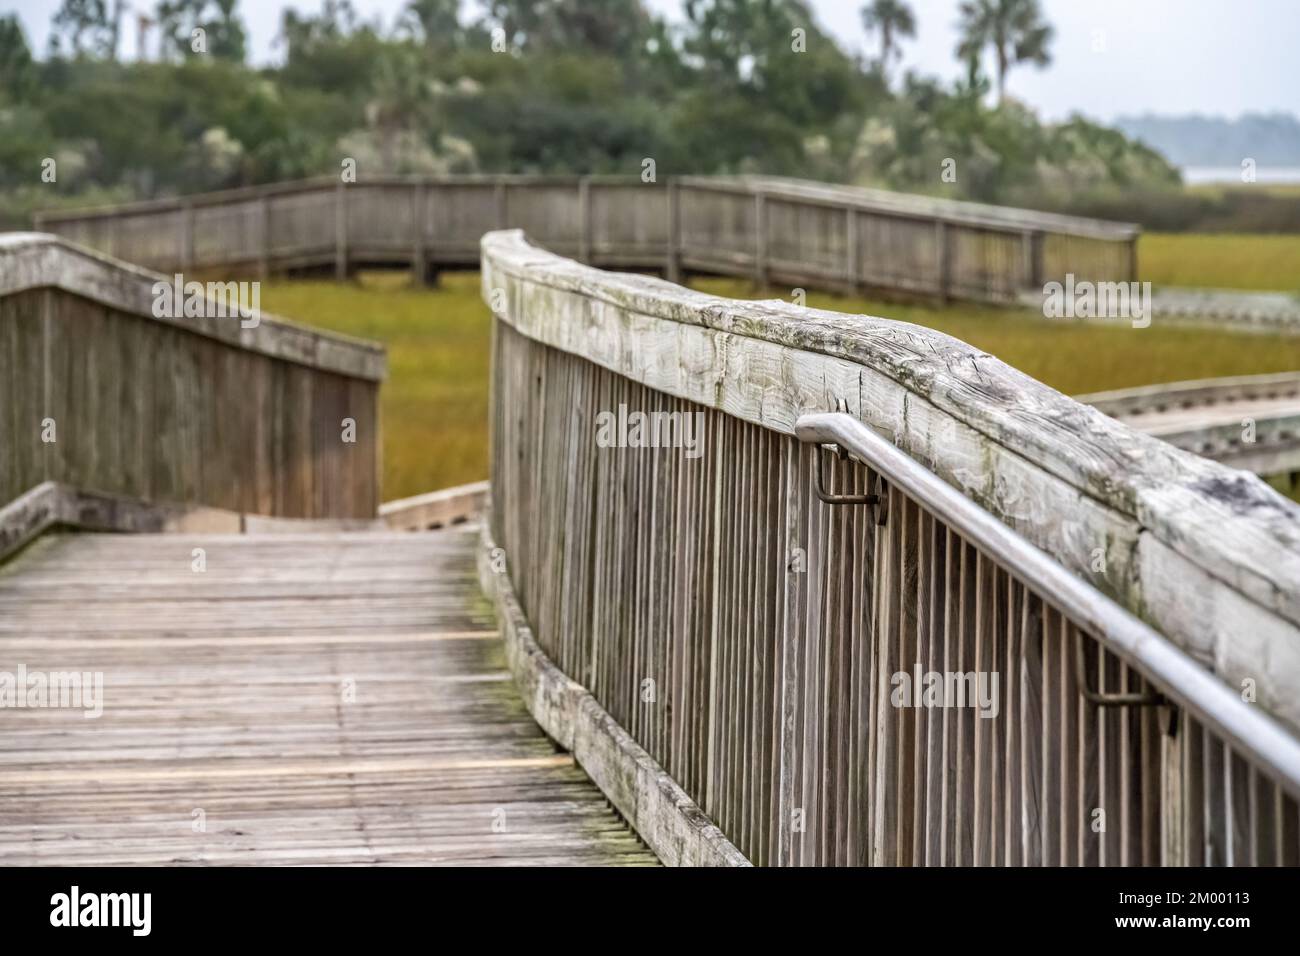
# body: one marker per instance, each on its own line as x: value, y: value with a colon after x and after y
x: 1216, y: 57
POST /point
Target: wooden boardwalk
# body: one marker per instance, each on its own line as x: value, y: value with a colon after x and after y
x: 306, y: 699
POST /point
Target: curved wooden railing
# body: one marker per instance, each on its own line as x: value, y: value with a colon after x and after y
x: 718, y: 643
x: 104, y: 391
x: 773, y: 230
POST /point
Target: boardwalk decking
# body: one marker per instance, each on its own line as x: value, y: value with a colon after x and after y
x: 308, y: 698
x: 1173, y: 422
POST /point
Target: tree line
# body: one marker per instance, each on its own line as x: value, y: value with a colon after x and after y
x: 545, y: 86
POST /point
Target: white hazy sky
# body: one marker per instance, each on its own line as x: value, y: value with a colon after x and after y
x: 1215, y: 57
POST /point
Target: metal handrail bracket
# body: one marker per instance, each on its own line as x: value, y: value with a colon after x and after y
x: 831, y: 498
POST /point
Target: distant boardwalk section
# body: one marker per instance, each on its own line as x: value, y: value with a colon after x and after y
x: 773, y: 230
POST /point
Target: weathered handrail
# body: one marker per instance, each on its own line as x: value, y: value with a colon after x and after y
x: 110, y: 389
x: 736, y: 625
x: 772, y: 230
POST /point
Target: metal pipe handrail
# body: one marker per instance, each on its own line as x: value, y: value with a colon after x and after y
x: 1249, y: 730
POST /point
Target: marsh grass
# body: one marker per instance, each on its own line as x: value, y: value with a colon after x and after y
x: 1221, y: 261
x: 434, y: 403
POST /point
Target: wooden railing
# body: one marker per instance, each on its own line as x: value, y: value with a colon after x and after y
x: 773, y: 230
x: 720, y: 644
x: 103, y: 391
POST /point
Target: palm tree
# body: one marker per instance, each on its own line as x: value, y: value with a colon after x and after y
x: 398, y: 105
x: 16, y: 71
x: 76, y: 20
x: 1014, y: 28
x: 891, y: 19
x: 436, y: 22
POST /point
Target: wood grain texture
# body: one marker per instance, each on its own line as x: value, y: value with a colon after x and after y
x: 311, y: 698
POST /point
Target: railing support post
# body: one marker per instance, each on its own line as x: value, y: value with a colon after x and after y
x: 1172, y: 807
x: 673, y: 264
x: 340, y: 231
x: 264, y: 228
x: 419, y: 207
x: 943, y: 256
x: 500, y: 194
x: 760, y: 239
x: 851, y: 254
x: 715, y: 625
x: 584, y: 219
x: 187, y: 236
x: 789, y: 684
x: 1133, y: 259
x: 1032, y: 245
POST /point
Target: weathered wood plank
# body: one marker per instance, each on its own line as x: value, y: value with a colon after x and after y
x: 264, y: 723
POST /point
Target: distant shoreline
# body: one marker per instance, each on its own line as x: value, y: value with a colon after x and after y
x: 1231, y: 175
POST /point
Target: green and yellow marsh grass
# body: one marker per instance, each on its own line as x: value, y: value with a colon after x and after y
x: 1222, y: 261
x: 434, y: 404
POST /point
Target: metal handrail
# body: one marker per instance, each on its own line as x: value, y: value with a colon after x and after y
x: 1251, y: 731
